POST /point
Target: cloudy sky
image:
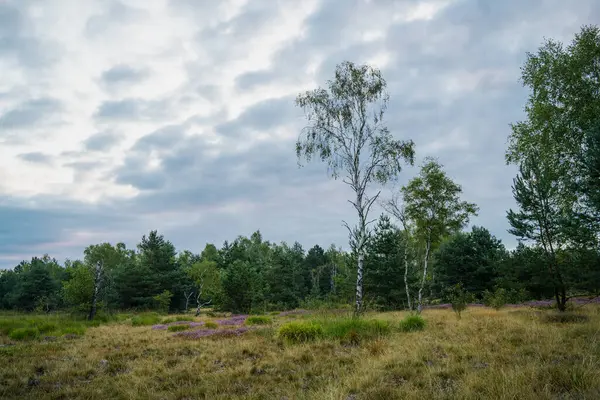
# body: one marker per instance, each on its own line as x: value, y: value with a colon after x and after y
x: 118, y: 117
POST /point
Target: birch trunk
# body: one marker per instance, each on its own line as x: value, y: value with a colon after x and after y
x: 420, y: 299
x: 97, y: 277
x: 406, y: 276
x: 359, y: 282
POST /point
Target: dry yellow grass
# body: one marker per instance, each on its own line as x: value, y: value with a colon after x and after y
x: 508, y: 354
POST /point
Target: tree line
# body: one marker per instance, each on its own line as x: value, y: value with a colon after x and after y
x: 415, y: 253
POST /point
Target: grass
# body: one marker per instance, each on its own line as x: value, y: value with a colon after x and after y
x: 412, y: 323
x: 146, y: 319
x: 211, y: 325
x: 258, y: 320
x: 39, y: 326
x: 178, y: 328
x: 506, y: 354
x: 177, y: 318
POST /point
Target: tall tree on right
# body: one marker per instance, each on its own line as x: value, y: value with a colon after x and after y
x: 432, y: 203
x: 556, y: 150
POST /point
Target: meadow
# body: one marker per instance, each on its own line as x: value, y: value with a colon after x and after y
x: 512, y: 353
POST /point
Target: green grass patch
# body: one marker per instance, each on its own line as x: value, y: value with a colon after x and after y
x: 24, y: 333
x: 412, y: 323
x: 73, y: 330
x: 354, y: 330
x: 177, y: 328
x: 258, y: 320
x: 211, y: 325
x: 145, y: 319
x: 300, y: 331
x: 178, y: 318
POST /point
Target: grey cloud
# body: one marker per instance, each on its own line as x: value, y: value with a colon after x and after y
x: 131, y: 109
x: 115, y: 14
x: 47, y: 228
x: 102, y: 141
x: 16, y: 41
x: 123, y: 74
x: 30, y: 113
x: 36, y: 157
x: 161, y: 138
x: 263, y: 116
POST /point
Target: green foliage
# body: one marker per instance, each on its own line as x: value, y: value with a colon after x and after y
x: 145, y: 319
x: 211, y: 325
x: 412, y: 323
x: 459, y: 298
x: 163, y: 301
x: 177, y: 328
x: 24, y: 333
x: 473, y: 258
x: 555, y: 149
x: 258, y: 320
x: 433, y: 206
x: 496, y: 299
x: 300, y: 331
x: 432, y: 203
x: 384, y: 266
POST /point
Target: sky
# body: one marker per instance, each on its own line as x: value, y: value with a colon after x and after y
x: 120, y: 117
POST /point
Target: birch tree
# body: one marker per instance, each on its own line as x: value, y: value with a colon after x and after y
x: 432, y: 203
x: 346, y: 130
x: 205, y: 278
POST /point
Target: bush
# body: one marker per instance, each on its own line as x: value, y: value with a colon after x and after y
x: 296, y: 332
x: 24, y: 333
x: 258, y: 320
x: 412, y: 323
x: 565, y: 317
x: 177, y: 328
x: 145, y: 319
x: 496, y: 299
x: 459, y: 298
x: 211, y: 325
x: 163, y: 301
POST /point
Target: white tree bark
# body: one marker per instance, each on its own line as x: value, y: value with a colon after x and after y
x: 97, y: 282
x: 425, y: 262
x: 406, y: 275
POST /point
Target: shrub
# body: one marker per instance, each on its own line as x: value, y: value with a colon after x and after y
x: 24, y: 333
x: 565, y: 317
x: 177, y: 328
x: 496, y: 299
x: 459, y: 298
x: 163, y: 301
x: 412, y: 323
x: 145, y: 319
x: 258, y: 320
x: 211, y: 325
x: 296, y: 332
